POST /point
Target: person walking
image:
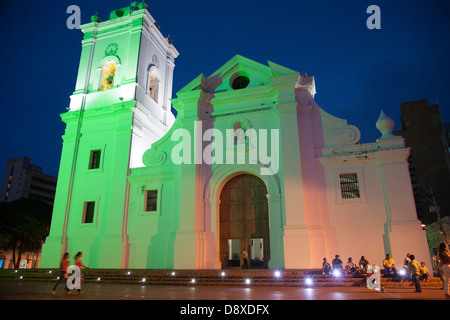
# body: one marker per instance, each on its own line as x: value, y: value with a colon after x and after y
x: 414, y: 268
x: 444, y: 265
x: 63, y: 265
x: 245, y: 257
x: 80, y: 265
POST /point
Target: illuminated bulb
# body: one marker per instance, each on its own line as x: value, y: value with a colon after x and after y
x: 20, y: 277
x: 222, y: 274
x: 193, y: 281
x: 308, y: 281
x: 129, y: 273
x: 277, y: 274
x: 98, y: 279
x: 173, y: 273
x: 143, y: 279
x: 402, y: 272
x: 50, y: 271
x: 247, y: 281
x: 336, y: 273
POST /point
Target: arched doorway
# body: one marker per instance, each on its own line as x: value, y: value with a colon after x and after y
x: 244, y: 222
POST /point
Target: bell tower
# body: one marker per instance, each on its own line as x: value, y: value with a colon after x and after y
x: 120, y: 106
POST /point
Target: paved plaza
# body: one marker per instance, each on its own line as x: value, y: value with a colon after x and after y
x: 225, y: 302
x: 30, y: 290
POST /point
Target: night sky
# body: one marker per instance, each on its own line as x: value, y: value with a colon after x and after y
x: 358, y: 71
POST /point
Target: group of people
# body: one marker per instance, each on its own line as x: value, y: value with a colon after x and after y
x: 64, y: 275
x: 417, y: 271
x: 349, y: 268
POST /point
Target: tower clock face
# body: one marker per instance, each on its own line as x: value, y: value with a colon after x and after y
x: 111, y: 49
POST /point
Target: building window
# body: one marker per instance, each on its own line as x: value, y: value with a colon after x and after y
x: 151, y: 200
x: 154, y: 86
x: 94, y: 161
x: 9, y: 183
x: 153, y: 82
x: 107, y: 76
x: 240, y: 82
x: 349, y: 186
x: 88, y: 212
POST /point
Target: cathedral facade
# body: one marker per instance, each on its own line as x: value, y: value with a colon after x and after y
x: 250, y: 162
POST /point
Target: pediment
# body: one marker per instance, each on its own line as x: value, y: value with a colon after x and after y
x: 238, y: 73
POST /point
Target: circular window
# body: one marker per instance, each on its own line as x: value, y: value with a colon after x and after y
x: 240, y: 82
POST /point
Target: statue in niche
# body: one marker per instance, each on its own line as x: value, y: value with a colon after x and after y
x: 108, y: 73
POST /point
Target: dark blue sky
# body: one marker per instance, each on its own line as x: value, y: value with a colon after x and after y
x: 358, y: 71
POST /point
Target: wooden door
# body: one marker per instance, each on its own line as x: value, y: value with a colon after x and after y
x: 244, y: 216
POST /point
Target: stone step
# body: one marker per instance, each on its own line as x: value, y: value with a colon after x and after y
x: 229, y: 277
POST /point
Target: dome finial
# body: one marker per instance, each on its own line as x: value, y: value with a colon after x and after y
x: 385, y: 125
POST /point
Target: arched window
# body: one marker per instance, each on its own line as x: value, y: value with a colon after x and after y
x: 154, y: 86
x: 108, y: 73
x: 153, y: 83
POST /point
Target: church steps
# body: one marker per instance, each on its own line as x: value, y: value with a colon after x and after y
x: 258, y: 277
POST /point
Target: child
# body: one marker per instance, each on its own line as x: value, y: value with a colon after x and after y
x: 423, y: 272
